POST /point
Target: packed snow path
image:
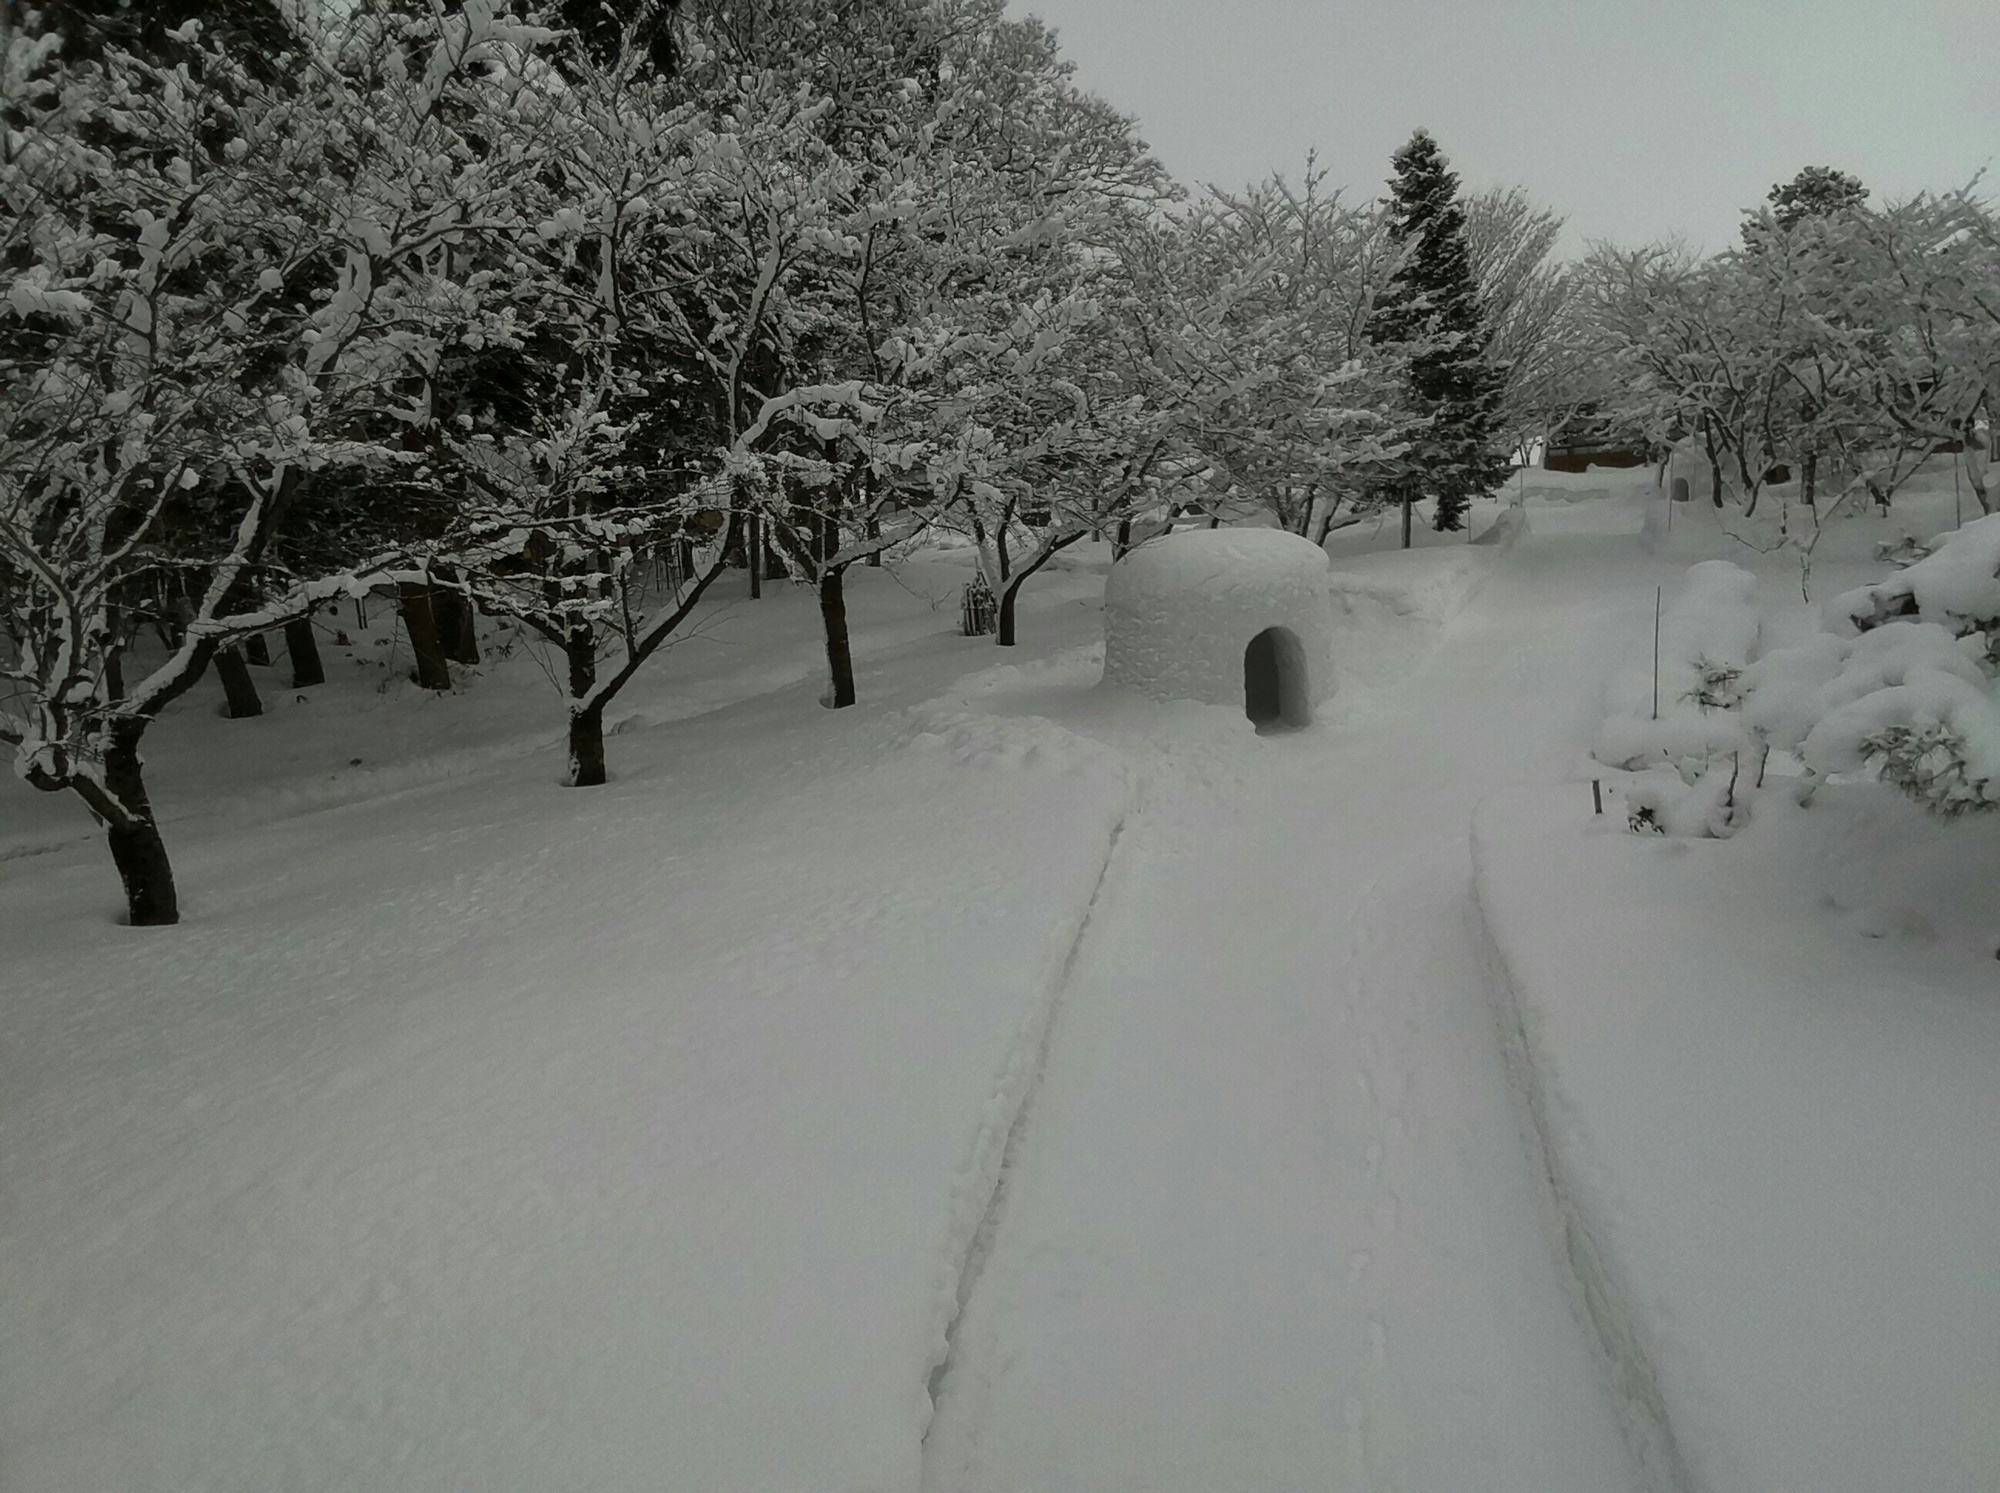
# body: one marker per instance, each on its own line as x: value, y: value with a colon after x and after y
x: 1271, y: 1222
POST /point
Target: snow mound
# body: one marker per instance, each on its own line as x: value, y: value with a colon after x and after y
x: 1427, y: 585
x: 1179, y: 612
x: 1505, y: 530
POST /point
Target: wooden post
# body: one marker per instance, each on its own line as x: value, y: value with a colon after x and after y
x: 1658, y: 592
x: 1408, y: 505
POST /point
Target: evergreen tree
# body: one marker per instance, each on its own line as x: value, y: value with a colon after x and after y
x: 1816, y: 192
x: 1430, y: 310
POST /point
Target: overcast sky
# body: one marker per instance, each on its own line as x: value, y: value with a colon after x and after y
x: 1634, y: 118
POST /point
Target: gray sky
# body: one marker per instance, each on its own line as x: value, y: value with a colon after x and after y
x: 1634, y: 118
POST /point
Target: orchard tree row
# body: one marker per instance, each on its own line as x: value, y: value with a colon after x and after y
x: 558, y: 313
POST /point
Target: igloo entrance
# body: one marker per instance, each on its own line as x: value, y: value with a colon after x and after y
x: 1277, y: 693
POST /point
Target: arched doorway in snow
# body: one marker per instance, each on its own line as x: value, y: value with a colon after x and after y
x: 1276, y: 692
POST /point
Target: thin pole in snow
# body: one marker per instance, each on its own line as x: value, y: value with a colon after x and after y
x: 1597, y: 793
x: 1658, y: 592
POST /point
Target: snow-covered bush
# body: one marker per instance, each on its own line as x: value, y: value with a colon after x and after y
x: 1956, y: 585
x: 1710, y: 808
x: 1686, y: 720
x: 1902, y: 684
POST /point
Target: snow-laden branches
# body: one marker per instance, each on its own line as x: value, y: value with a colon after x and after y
x: 220, y: 288
x: 1862, y: 337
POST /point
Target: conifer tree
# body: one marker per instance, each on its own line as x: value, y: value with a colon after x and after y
x: 1816, y: 192
x: 1430, y: 310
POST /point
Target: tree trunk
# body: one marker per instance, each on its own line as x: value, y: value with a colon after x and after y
x: 1013, y: 588
x: 753, y: 555
x: 237, y: 686
x: 421, y: 623
x: 136, y: 847
x: 586, y: 747
x: 1409, y: 506
x: 586, y: 721
x: 1809, y: 478
x: 304, y: 650
x: 1006, y: 637
x: 1714, y: 463
x: 874, y: 532
x: 458, y: 634
x: 1123, y: 542
x: 1326, y: 512
x: 839, y: 655
x: 257, y: 651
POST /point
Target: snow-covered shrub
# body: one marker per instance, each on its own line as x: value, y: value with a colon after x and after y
x: 1957, y: 585
x: 1709, y: 808
x: 1687, y: 719
x: 1935, y: 736
x: 1718, y: 686
x: 1707, y: 637
x: 1905, y: 551
x: 1789, y: 691
x: 1910, y: 700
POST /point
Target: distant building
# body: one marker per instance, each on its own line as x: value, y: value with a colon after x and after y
x: 1589, y: 439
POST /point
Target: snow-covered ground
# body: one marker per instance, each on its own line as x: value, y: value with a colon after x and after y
x: 1272, y: 1224
x: 1762, y: 1071
x: 1125, y: 1082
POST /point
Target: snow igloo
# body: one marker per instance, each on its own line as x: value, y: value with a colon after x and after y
x: 1240, y: 617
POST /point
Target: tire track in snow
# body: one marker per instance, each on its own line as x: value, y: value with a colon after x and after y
x: 1596, y: 1296
x: 1384, y: 1106
x: 1012, y: 1102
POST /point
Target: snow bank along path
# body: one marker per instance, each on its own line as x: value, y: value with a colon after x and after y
x: 1272, y: 1222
